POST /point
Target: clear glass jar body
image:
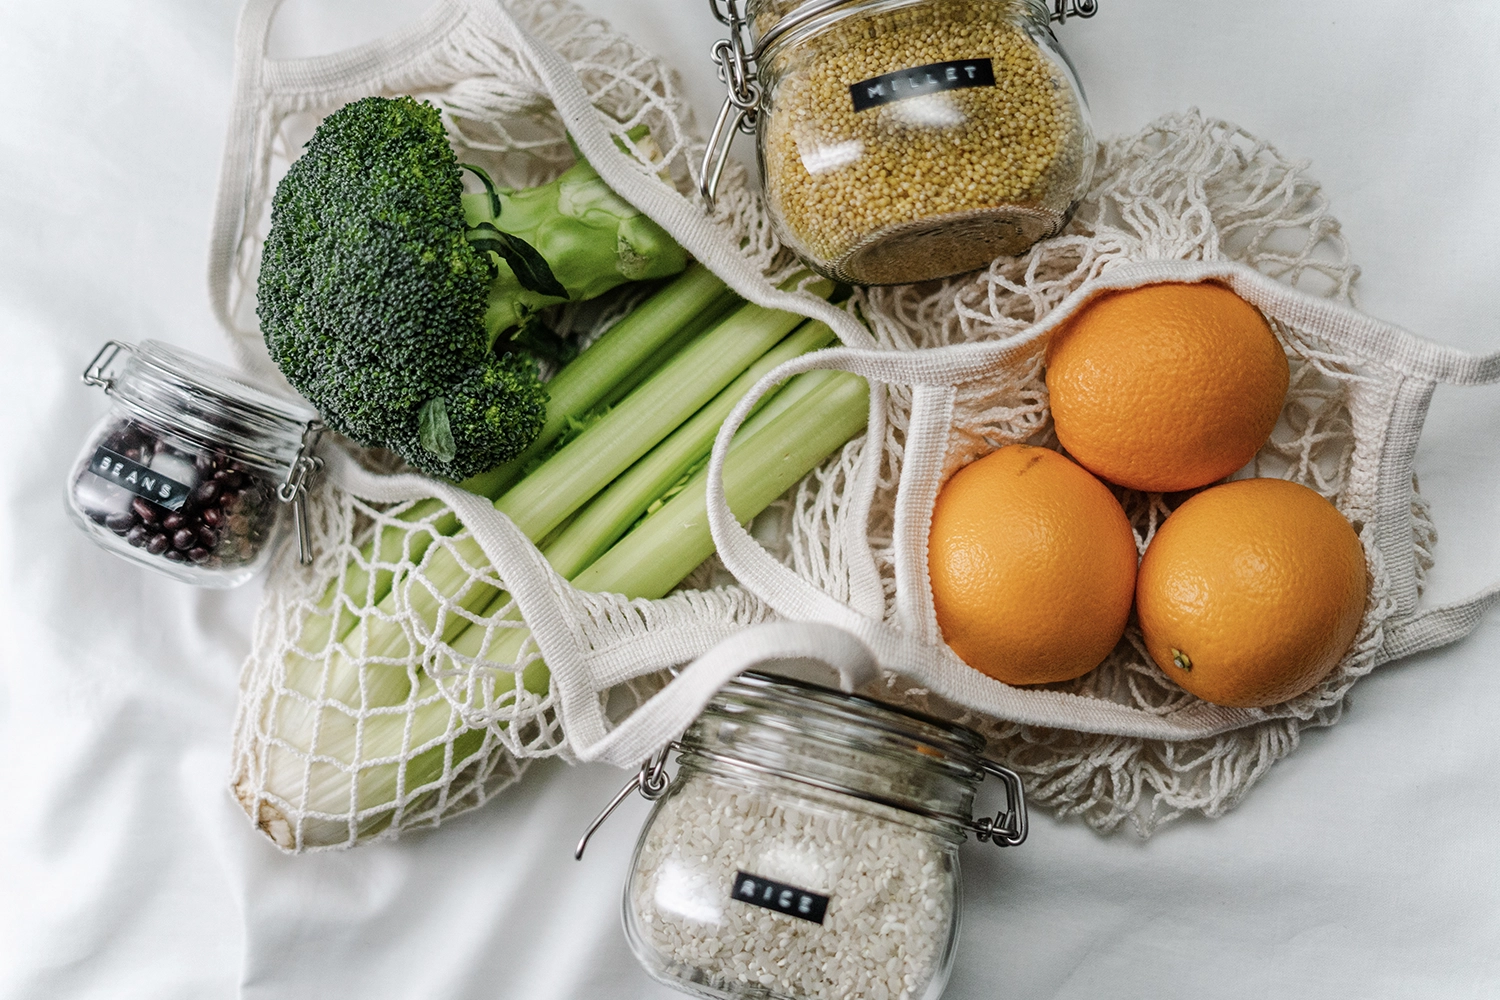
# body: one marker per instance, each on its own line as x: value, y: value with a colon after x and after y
x: 182, y: 474
x: 808, y: 849
x: 754, y: 886
x: 906, y: 140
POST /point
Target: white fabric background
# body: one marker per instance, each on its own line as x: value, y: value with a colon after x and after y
x: 1365, y: 865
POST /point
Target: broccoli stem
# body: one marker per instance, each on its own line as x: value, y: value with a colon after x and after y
x: 591, y: 238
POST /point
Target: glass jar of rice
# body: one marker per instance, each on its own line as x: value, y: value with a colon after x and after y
x: 905, y: 140
x: 808, y: 847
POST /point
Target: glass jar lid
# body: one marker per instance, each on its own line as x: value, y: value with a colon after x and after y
x: 773, y: 22
x: 204, y: 402
x: 840, y: 743
x: 843, y: 744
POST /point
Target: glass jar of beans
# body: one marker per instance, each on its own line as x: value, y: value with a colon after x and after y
x: 808, y: 847
x: 905, y: 140
x: 192, y: 466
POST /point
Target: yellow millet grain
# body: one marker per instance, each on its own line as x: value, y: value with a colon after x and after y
x: 840, y: 177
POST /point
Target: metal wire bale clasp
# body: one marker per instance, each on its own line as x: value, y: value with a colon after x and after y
x: 1009, y: 826
x: 293, y: 489
x: 741, y: 109
x: 651, y: 781
x: 1064, y: 9
x: 98, y: 371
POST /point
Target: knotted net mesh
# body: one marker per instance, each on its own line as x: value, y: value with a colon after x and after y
x: 393, y: 683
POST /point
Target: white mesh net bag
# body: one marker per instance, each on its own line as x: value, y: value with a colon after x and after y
x: 363, y: 717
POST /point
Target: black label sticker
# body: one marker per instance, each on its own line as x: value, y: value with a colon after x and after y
x: 138, y: 479
x: 919, y: 80
x: 786, y: 899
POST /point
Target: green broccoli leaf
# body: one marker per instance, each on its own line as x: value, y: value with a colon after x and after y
x: 531, y: 268
x: 433, y: 430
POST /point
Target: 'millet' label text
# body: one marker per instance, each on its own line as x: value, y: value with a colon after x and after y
x: 920, y: 80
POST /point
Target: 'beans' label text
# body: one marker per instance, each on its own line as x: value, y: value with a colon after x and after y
x: 919, y: 80
x: 786, y: 899
x: 138, y: 479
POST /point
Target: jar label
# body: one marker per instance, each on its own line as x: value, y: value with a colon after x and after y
x: 953, y: 75
x: 782, y: 898
x: 138, y: 479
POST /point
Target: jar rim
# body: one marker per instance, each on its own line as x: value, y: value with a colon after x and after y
x: 206, y: 402
x: 805, y: 17
x: 958, y: 740
x: 827, y: 739
x: 220, y: 383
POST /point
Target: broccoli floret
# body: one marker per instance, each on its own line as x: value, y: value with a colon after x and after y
x: 384, y: 303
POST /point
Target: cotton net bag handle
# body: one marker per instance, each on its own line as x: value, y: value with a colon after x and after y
x: 934, y: 373
x: 344, y: 74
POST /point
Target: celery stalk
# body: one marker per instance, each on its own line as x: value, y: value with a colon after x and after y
x: 570, y: 478
x: 610, y: 514
x: 766, y: 458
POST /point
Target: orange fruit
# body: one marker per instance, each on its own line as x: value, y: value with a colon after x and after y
x: 1251, y: 592
x: 1032, y: 563
x: 1165, y: 387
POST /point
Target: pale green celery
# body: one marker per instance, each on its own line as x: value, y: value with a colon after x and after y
x: 812, y: 416
x: 669, y: 544
x: 587, y: 464
x: 767, y: 457
x: 567, y: 481
x: 574, y: 475
x: 610, y: 514
x: 617, y: 362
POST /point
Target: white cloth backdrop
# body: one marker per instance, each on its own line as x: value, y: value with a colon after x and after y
x: 1364, y: 866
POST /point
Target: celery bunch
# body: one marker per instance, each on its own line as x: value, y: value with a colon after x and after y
x: 618, y: 508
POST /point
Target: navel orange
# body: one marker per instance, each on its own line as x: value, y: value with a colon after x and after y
x: 1032, y: 563
x: 1251, y: 592
x: 1165, y: 387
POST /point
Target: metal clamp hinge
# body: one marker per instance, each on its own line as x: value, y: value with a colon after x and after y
x: 293, y: 489
x: 1009, y: 827
x: 97, y: 371
x: 651, y: 781
x: 1064, y: 9
x: 736, y: 58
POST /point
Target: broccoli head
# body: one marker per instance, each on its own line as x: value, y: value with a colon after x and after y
x: 373, y: 293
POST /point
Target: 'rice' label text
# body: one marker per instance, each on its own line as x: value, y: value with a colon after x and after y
x: 919, y: 80
x: 138, y: 479
x: 786, y: 899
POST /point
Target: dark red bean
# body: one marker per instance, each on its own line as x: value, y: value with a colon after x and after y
x: 208, y: 537
x: 204, y: 462
x: 206, y: 492
x: 172, y: 521
x: 137, y: 536
x: 185, y: 538
x: 119, y: 523
x: 213, y: 516
x: 198, y: 555
x: 157, y: 545
x: 143, y: 510
x: 173, y: 555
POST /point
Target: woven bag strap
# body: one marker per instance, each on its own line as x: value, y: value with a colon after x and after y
x: 672, y: 710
